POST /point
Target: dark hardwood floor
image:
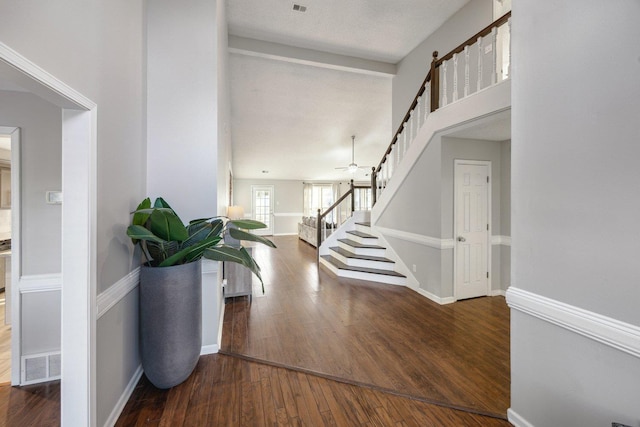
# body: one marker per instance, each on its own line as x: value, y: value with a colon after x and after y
x: 36, y: 405
x: 318, y: 350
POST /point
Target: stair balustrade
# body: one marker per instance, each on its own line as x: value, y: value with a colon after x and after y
x: 441, y: 87
x: 334, y: 216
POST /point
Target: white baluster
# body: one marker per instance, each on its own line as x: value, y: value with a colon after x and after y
x: 455, y: 77
x: 509, y: 36
x: 419, y: 112
x: 494, y: 57
x: 412, y: 133
x: 444, y: 83
x: 466, y: 71
x: 427, y: 101
x: 480, y: 54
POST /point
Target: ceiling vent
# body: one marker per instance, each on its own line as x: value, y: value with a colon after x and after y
x: 299, y: 8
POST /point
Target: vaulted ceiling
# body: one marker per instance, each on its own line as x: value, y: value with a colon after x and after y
x: 303, y: 82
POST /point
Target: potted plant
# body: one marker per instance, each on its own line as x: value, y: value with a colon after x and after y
x: 171, y: 283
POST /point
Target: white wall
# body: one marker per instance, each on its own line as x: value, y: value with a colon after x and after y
x: 413, y: 69
x: 574, y: 207
x: 97, y: 49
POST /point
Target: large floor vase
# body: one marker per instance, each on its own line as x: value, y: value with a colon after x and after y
x: 170, y: 322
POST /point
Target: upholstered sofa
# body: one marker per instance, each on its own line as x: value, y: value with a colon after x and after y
x: 307, y: 230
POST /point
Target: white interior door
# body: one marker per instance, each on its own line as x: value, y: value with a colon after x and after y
x: 472, y: 213
x: 262, y: 201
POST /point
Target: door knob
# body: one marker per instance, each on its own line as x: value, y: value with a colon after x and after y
x: 461, y: 239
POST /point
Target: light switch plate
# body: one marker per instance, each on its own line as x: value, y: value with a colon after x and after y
x: 54, y: 197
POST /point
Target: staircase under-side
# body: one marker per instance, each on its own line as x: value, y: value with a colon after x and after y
x: 360, y: 255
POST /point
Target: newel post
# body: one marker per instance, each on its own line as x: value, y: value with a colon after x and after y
x: 435, y: 82
x: 318, y: 233
x: 353, y: 198
x: 374, y: 186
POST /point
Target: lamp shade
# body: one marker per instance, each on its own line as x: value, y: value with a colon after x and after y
x: 235, y: 212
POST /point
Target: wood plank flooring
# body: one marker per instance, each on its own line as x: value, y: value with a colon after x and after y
x: 33, y: 406
x: 230, y: 391
x: 316, y: 350
x: 383, y: 336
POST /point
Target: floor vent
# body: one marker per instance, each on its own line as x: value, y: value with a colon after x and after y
x: 37, y: 368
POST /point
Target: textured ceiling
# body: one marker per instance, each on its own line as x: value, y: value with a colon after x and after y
x: 383, y: 30
x: 296, y: 120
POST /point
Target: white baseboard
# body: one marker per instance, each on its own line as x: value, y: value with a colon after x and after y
x: 124, y: 398
x: 285, y: 234
x: 606, y: 330
x: 434, y: 298
x: 515, y: 419
x: 498, y: 292
x: 209, y: 349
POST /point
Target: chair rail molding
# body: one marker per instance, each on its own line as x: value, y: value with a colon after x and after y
x: 606, y: 330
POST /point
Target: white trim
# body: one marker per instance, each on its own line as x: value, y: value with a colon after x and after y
x: 124, y: 398
x: 285, y: 234
x: 606, y: 330
x: 435, y: 298
x: 79, y: 268
x: 501, y: 240
x: 107, y: 299
x: 39, y: 283
x: 293, y: 214
x: 209, y: 349
x: 517, y: 420
x: 498, y: 292
x: 13, y: 292
x: 210, y: 267
x: 421, y: 239
x: 488, y: 165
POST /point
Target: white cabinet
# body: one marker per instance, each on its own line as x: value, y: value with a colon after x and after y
x: 5, y: 188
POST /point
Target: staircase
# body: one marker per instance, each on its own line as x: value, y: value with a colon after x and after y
x: 360, y: 256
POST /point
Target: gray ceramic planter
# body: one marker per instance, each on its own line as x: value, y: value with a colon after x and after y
x: 170, y: 322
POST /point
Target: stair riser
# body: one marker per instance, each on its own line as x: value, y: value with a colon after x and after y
x: 364, y: 240
x: 380, y: 278
x: 363, y: 228
x: 353, y: 262
x: 362, y: 251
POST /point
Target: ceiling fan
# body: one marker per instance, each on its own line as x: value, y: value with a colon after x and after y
x: 353, y: 167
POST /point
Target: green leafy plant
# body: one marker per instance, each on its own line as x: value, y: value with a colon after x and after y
x: 166, y: 241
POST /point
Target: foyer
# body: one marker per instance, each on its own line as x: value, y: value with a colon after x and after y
x: 315, y: 349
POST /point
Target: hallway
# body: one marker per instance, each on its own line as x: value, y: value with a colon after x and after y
x: 325, y: 351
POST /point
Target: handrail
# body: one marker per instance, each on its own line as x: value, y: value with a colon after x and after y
x: 435, y: 93
x: 322, y: 215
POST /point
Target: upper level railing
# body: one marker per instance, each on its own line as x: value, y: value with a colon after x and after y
x: 334, y: 216
x: 435, y: 91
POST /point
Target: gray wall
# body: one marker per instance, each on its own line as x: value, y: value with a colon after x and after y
x: 41, y: 161
x: 412, y: 70
x: 575, y: 200
x: 97, y: 49
x: 494, y: 151
x: 41, y: 144
x: 287, y: 200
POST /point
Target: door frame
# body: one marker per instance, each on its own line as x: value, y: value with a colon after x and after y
x: 16, y: 273
x: 456, y: 164
x: 272, y: 227
x: 78, y: 252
